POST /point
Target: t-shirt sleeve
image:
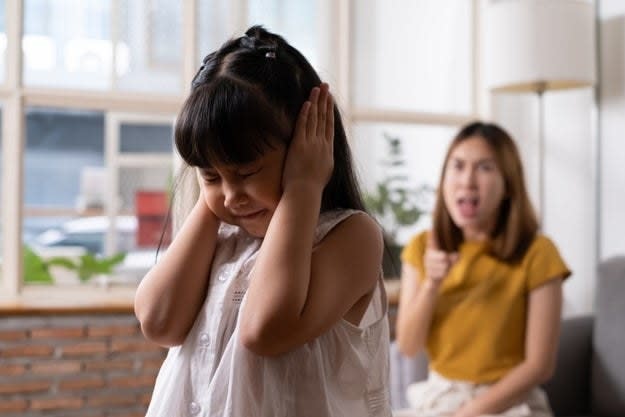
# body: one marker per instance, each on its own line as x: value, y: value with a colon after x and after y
x: 545, y: 263
x: 413, y: 252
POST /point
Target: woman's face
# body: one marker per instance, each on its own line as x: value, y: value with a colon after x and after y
x: 473, y: 188
x: 246, y: 195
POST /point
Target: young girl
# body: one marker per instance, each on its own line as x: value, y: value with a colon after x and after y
x: 270, y: 295
x: 482, y: 290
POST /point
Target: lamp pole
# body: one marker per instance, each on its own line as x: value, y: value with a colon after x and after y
x: 541, y: 87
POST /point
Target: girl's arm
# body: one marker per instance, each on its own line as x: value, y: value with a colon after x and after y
x: 171, y: 294
x: 417, y: 300
x: 296, y: 292
x: 541, y: 343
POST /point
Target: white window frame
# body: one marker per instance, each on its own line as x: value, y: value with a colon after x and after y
x: 118, y: 106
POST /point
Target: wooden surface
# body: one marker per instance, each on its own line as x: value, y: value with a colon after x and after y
x: 62, y: 301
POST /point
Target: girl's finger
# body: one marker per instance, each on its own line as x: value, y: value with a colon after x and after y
x: 329, y: 126
x: 322, y: 109
x: 302, y: 120
x: 311, y: 128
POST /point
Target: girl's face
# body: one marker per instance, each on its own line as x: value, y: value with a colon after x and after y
x: 246, y: 195
x: 473, y: 188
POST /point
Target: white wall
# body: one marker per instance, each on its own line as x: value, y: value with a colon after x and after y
x: 569, y: 217
x: 612, y: 122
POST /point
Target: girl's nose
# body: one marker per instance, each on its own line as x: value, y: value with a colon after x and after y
x: 234, y: 196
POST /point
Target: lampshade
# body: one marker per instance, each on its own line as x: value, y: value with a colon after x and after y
x: 538, y: 45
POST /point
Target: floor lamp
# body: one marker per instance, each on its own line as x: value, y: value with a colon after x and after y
x: 537, y: 46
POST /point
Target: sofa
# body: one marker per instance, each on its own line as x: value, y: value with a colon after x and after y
x: 589, y: 379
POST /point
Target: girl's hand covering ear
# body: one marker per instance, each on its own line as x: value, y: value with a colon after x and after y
x: 310, y: 157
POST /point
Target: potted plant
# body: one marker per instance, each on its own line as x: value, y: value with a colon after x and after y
x: 395, y: 203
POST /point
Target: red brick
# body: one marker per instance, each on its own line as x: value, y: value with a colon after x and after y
x: 55, y: 368
x: 99, y: 331
x: 23, y: 387
x: 83, y: 349
x: 12, y: 369
x: 151, y: 364
x: 56, y: 403
x: 57, y: 333
x: 111, y: 400
x: 110, y: 365
x: 27, y: 351
x: 133, y: 345
x: 144, y: 399
x: 13, y: 335
x: 81, y: 383
x: 137, y: 381
x: 127, y: 414
x: 13, y: 405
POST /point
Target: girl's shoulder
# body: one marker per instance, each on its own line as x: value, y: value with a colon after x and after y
x: 328, y: 220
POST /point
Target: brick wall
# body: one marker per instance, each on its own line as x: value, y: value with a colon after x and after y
x: 75, y: 366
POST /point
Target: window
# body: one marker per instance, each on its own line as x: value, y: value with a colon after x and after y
x: 411, y: 78
x: 89, y: 90
x: 92, y: 163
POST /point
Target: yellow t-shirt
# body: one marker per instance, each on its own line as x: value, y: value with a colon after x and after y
x: 477, y: 332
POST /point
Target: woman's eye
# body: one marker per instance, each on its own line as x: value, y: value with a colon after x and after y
x: 486, y: 167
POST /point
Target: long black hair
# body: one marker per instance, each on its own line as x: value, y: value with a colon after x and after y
x: 245, y: 99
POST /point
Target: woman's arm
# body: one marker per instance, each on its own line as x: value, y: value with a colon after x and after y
x: 418, y: 297
x: 171, y: 294
x: 417, y: 300
x: 541, y: 344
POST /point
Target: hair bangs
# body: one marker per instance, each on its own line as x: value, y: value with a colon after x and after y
x: 228, y: 122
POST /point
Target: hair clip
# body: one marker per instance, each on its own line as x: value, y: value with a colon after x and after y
x: 270, y: 54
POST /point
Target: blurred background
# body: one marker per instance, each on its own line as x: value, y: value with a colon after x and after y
x: 89, y: 90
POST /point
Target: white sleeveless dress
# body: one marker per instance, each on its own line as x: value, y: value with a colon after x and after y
x: 342, y: 373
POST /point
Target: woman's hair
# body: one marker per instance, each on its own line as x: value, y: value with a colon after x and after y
x: 516, y: 224
x: 245, y: 100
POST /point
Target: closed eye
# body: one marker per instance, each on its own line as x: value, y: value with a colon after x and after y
x: 249, y: 172
x: 209, y: 177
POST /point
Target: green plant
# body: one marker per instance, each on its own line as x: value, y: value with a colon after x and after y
x: 37, y: 269
x: 394, y: 202
x: 90, y: 265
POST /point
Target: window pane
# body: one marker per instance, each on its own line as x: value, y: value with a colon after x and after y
x: 3, y: 41
x: 291, y: 19
x: 144, y: 195
x: 150, y: 46
x: 1, y: 235
x: 212, y: 19
x: 146, y: 138
x: 64, y: 191
x: 57, y: 54
x: 422, y: 150
x: 425, y: 44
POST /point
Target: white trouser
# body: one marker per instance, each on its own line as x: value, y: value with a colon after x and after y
x: 441, y: 397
